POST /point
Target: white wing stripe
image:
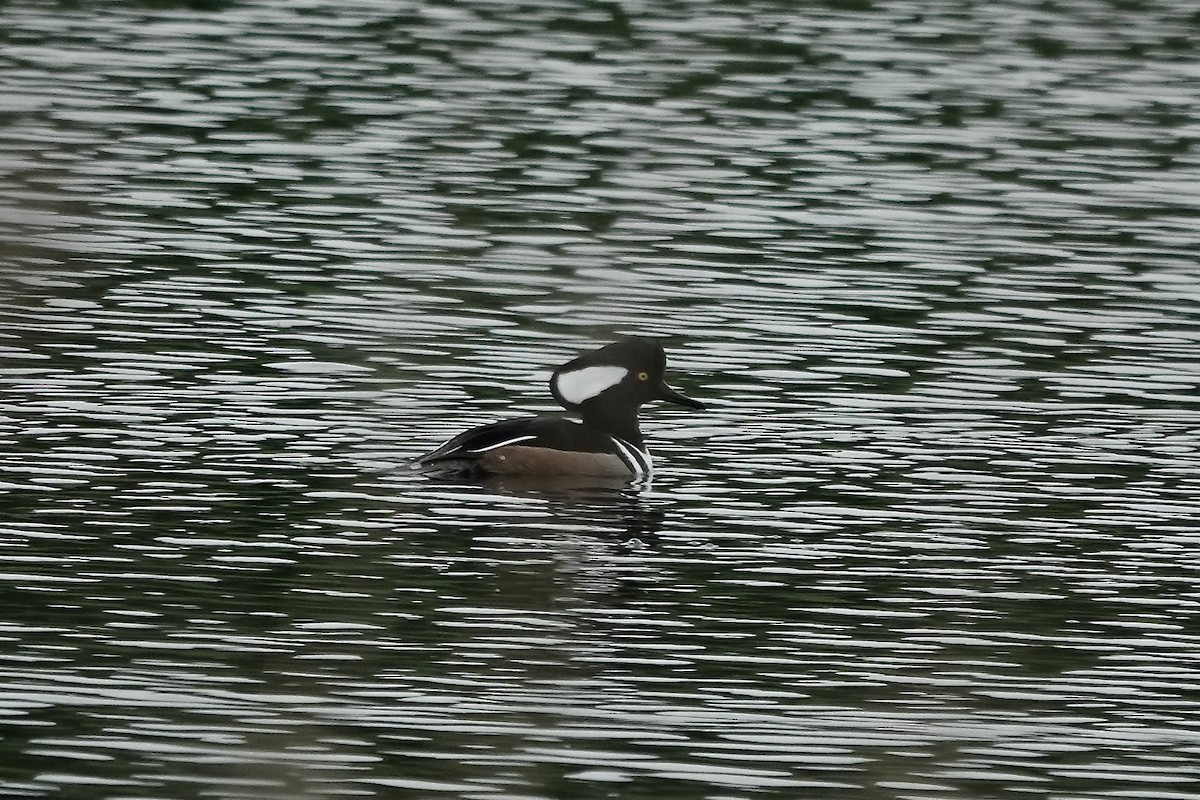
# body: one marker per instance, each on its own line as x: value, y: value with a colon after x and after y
x: 505, y: 443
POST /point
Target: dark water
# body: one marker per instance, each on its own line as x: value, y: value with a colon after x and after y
x: 933, y: 265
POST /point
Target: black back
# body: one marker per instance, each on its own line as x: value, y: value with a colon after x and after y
x: 556, y: 433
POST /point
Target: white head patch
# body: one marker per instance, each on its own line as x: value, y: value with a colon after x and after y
x: 580, y: 385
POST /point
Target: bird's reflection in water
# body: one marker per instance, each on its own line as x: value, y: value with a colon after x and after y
x: 565, y: 543
x: 607, y: 507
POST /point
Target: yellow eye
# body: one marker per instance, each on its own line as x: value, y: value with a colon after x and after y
x: 643, y: 376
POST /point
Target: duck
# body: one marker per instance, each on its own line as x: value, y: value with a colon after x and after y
x: 605, y: 388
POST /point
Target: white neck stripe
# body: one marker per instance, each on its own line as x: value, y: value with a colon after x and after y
x: 638, y: 460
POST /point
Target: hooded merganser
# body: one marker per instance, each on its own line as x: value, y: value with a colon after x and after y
x: 605, y: 387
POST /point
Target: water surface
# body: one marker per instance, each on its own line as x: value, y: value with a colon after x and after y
x: 932, y: 267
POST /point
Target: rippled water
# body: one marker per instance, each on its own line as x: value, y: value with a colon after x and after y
x: 932, y: 265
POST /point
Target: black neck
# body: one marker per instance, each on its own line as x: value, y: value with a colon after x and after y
x: 619, y: 421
